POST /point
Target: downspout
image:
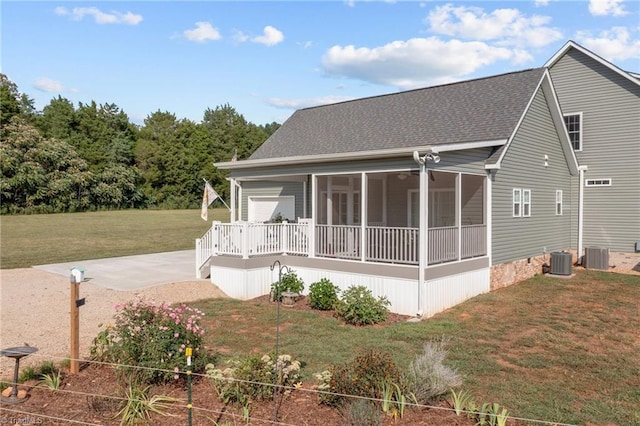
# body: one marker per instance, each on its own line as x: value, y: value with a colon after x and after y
x: 581, y: 169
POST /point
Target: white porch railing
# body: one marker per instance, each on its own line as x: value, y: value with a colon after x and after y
x: 443, y: 244
x: 341, y: 241
x: 392, y: 244
x: 474, y: 241
x: 383, y: 244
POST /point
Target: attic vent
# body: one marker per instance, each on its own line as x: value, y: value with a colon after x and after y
x: 596, y: 258
x: 560, y: 263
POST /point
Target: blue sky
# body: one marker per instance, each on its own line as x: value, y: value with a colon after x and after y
x: 267, y: 59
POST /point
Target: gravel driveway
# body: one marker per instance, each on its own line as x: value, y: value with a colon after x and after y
x: 35, y: 305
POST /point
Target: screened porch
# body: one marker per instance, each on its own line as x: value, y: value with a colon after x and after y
x: 383, y: 229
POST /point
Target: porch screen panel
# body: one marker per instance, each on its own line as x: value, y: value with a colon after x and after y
x: 474, y: 230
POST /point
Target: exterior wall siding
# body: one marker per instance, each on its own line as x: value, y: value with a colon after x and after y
x: 272, y: 189
x: 524, y: 167
x: 610, y: 107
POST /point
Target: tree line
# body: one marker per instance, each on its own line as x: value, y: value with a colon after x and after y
x: 69, y: 158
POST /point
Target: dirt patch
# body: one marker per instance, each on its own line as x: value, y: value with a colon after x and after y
x: 35, y: 305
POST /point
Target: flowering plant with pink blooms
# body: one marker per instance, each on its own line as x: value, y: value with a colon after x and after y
x: 149, y: 340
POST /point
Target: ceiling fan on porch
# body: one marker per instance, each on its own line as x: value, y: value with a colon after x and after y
x: 405, y: 175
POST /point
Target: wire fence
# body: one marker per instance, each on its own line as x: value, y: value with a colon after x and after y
x: 22, y: 416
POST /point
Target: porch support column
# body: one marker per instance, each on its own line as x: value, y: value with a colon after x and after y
x: 489, y: 214
x: 423, y: 229
x: 314, y: 217
x: 363, y: 216
x: 459, y: 212
x: 232, y: 185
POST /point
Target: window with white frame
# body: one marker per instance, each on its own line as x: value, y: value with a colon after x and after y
x: 598, y: 182
x: 558, y: 202
x: 517, y: 202
x: 526, y: 202
x: 574, y: 128
x: 521, y: 202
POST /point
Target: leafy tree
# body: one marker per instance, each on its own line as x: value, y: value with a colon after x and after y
x: 9, y: 100
x: 41, y: 175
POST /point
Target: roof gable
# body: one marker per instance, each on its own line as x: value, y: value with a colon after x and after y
x: 486, y: 109
x: 572, y: 45
x: 546, y: 85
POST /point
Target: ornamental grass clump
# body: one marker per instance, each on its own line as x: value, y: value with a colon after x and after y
x: 149, y: 340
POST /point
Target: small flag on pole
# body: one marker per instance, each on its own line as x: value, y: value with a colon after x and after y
x: 208, y: 197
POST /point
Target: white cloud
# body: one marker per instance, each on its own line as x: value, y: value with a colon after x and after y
x: 270, y: 37
x: 508, y: 27
x: 305, y: 103
x: 100, y: 17
x: 48, y: 85
x: 541, y: 3
x: 417, y: 62
x: 203, y: 32
x: 607, y: 7
x: 614, y: 44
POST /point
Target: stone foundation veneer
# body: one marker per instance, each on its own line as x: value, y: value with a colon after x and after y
x: 505, y: 274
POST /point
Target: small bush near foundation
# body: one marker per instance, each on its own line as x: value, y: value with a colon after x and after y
x: 323, y: 295
x: 364, y: 376
x: 358, y: 306
x: 288, y: 282
x: 427, y: 377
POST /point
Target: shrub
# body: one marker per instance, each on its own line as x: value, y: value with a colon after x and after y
x: 358, y: 306
x: 153, y: 337
x: 323, y: 295
x: 364, y: 376
x: 288, y: 282
x: 252, y: 378
x: 427, y: 377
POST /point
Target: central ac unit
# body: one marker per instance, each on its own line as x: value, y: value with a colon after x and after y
x: 596, y: 258
x: 561, y: 263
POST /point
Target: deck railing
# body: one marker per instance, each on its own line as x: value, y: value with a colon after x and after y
x: 474, y: 241
x: 392, y: 244
x: 340, y: 241
x: 383, y: 243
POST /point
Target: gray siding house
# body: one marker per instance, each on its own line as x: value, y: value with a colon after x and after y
x: 601, y: 105
x: 428, y: 197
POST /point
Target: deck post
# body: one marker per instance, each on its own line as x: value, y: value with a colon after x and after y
x: 245, y: 239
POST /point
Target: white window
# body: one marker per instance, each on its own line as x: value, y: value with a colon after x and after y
x: 574, y: 128
x: 526, y: 202
x: 598, y: 182
x: 558, y: 202
x: 521, y: 202
x: 517, y: 202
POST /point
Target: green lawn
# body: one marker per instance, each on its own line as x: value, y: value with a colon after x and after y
x: 549, y: 349
x: 558, y: 350
x: 28, y: 240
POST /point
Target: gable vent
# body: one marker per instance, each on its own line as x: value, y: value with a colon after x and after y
x: 596, y: 258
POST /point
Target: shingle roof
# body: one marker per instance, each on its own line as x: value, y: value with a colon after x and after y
x: 470, y: 111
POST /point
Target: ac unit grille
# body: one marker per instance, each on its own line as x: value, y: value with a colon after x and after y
x: 596, y: 258
x: 561, y: 263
